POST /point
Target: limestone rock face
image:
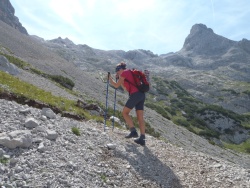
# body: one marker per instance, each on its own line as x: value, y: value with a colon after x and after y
x: 7, y: 15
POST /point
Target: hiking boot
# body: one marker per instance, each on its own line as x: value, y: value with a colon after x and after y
x: 132, y: 134
x: 140, y: 141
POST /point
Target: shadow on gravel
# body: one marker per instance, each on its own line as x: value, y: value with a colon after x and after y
x: 150, y: 167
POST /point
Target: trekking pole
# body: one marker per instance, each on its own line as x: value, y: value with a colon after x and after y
x: 113, y: 123
x: 107, y: 93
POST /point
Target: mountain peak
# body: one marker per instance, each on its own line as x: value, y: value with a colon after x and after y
x: 203, y: 41
x: 60, y: 40
x: 200, y: 28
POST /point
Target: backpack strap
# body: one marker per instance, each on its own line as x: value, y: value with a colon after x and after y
x: 130, y: 82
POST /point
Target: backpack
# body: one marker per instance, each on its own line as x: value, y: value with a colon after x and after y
x: 140, y: 80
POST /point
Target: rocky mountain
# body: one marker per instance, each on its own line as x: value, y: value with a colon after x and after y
x: 204, y: 81
x: 217, y: 62
x: 7, y: 15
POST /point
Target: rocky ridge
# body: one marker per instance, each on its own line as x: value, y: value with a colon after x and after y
x: 53, y: 156
x: 7, y: 15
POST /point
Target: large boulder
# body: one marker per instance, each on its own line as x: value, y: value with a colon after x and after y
x: 14, y: 139
x: 6, y: 66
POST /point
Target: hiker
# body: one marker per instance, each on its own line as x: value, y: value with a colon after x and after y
x: 136, y: 99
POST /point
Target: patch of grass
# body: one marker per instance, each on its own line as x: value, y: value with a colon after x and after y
x: 120, y: 102
x: 159, y: 109
x: 63, y: 81
x: 231, y: 91
x: 246, y: 124
x: 247, y: 92
x: 181, y: 121
x: 3, y: 160
x: 244, y: 147
x: 16, y: 61
x: 38, y: 72
x: 208, y: 133
x: 5, y: 48
x: 76, y: 131
x: 27, y: 91
x: 104, y: 178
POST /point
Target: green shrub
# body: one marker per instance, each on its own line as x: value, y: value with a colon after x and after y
x: 181, y: 122
x: 209, y: 133
x: 16, y: 61
x: 199, y: 123
x: 233, y: 92
x: 76, y: 131
x: 36, y: 71
x: 63, y: 81
x: 247, y: 150
x: 173, y: 111
x: 158, y: 109
x: 247, y: 92
x: 212, y: 142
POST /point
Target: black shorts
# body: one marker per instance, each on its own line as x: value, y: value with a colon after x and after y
x: 136, y: 100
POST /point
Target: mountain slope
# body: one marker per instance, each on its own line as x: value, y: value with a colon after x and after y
x: 58, y: 158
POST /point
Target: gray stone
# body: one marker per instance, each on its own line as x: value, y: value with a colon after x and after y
x: 52, y: 135
x: 31, y: 123
x: 41, y: 147
x: 2, y: 152
x: 24, y: 110
x: 111, y: 146
x: 48, y: 113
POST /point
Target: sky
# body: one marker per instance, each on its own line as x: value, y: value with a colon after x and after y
x: 160, y: 26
